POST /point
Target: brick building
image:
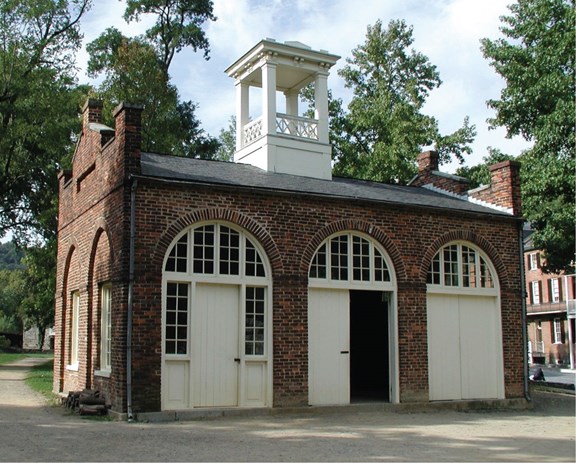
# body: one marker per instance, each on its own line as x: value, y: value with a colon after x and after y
x: 185, y: 283
x: 550, y: 308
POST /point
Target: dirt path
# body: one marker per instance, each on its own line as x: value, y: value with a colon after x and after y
x: 32, y: 431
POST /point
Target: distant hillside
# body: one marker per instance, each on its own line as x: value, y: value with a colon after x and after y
x: 10, y: 256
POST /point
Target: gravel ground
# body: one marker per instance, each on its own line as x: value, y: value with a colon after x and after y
x: 33, y: 431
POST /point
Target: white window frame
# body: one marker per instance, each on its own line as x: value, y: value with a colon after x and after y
x: 374, y: 250
x: 557, y: 326
x: 480, y: 268
x: 74, y: 331
x: 243, y: 280
x: 105, y: 328
x: 535, y: 290
x: 554, y: 290
x: 533, y: 260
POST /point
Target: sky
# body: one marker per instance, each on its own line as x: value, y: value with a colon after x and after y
x: 448, y: 32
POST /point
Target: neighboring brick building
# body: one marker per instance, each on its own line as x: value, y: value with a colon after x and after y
x: 550, y: 307
x: 186, y: 283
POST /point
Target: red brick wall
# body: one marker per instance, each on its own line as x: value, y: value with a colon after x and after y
x: 94, y: 223
x: 291, y: 224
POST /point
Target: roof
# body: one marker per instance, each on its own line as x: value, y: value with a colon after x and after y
x: 175, y: 168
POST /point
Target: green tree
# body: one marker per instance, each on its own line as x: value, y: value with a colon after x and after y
x: 480, y: 174
x: 132, y: 72
x: 384, y: 129
x: 178, y: 25
x: 37, y: 306
x: 12, y: 291
x: 536, y: 60
x: 38, y: 111
x: 227, y: 141
x: 10, y: 256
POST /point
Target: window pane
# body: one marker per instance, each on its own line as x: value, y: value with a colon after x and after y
x: 203, y: 254
x: 486, y: 280
x: 254, y: 264
x: 229, y: 251
x: 451, y: 265
x: 318, y: 267
x: 176, y: 329
x: 178, y: 257
x: 254, y: 334
x: 381, y: 269
x: 106, y: 327
x: 468, y: 267
x: 360, y: 259
x: 339, y: 257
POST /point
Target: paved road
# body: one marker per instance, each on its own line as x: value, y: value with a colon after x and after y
x: 32, y: 431
x: 556, y: 374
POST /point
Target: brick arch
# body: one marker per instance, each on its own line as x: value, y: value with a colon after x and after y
x: 73, y: 247
x: 354, y: 225
x: 100, y: 228
x: 226, y: 215
x: 472, y: 237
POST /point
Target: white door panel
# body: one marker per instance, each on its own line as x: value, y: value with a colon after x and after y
x: 329, y: 346
x: 481, y: 363
x: 214, y: 346
x: 464, y: 347
x: 443, y: 359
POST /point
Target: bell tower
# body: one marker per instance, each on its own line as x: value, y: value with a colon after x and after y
x: 283, y: 142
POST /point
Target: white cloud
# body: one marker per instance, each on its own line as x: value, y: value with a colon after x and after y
x: 447, y: 31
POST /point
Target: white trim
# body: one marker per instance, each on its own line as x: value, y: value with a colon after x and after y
x: 388, y: 287
x: 241, y: 281
x: 74, y: 332
x: 469, y: 199
x: 105, y: 326
x: 465, y: 290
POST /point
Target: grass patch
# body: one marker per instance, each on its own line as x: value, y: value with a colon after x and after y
x: 9, y: 357
x: 40, y: 378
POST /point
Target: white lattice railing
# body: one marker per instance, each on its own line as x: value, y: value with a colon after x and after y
x: 252, y: 131
x: 301, y: 127
x: 295, y: 126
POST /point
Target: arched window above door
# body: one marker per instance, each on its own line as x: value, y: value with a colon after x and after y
x: 349, y: 257
x: 215, y: 249
x: 459, y: 265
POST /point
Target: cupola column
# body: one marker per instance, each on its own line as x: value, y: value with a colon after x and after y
x: 321, y: 105
x: 268, y: 98
x: 242, y: 111
x: 291, y: 102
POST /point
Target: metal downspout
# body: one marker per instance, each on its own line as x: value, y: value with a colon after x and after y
x: 524, y: 315
x: 130, y: 300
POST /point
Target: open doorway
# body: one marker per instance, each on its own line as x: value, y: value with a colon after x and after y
x: 369, y: 346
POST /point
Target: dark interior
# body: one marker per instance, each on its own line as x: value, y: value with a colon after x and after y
x: 369, y: 356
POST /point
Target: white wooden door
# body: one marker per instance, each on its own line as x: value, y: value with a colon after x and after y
x: 443, y: 348
x: 464, y: 348
x: 328, y: 346
x: 482, y: 363
x: 214, y: 346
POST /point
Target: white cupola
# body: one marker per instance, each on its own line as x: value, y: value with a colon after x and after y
x: 283, y: 142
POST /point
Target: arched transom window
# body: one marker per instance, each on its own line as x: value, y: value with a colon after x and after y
x: 215, y: 249
x: 459, y: 265
x: 349, y: 257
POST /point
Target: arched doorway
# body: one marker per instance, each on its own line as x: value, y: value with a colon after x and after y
x: 352, y: 327
x: 216, y: 320
x: 464, y: 325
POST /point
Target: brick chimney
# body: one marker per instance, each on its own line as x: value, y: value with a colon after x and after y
x: 128, y: 121
x: 505, y: 185
x: 91, y: 112
x: 427, y: 162
x: 429, y: 175
x: 504, y: 189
